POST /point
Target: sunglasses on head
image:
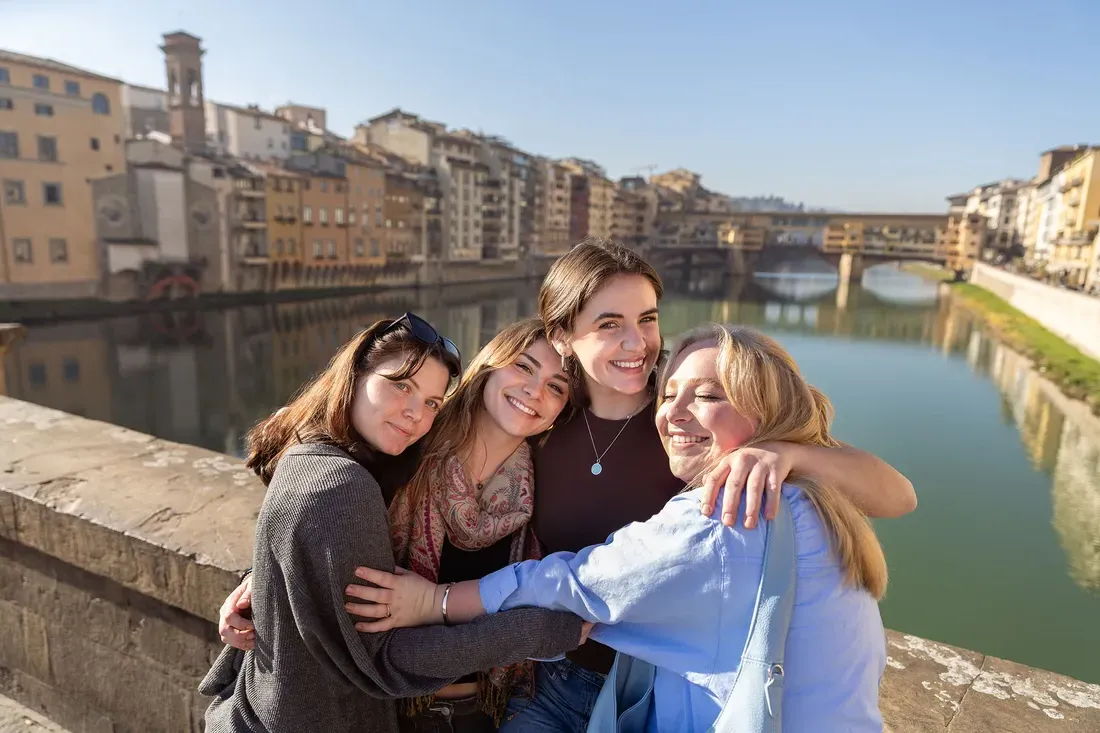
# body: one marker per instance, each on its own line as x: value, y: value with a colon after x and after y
x: 425, y: 333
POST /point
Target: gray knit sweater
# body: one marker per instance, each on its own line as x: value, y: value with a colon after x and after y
x: 323, y: 516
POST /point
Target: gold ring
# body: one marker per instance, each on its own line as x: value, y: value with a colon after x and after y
x: 388, y: 610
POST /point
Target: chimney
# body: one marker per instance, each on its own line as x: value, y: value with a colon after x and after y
x: 186, y: 106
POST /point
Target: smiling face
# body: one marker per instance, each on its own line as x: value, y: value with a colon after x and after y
x: 616, y: 337
x: 695, y: 419
x: 524, y: 398
x: 392, y: 415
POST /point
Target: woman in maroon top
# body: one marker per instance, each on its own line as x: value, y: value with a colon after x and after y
x: 605, y: 467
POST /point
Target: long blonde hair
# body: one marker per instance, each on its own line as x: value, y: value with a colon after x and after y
x: 453, y: 431
x: 763, y: 383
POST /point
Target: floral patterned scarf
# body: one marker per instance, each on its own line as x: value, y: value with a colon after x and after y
x: 472, y: 519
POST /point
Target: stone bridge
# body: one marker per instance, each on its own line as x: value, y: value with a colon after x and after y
x: 849, y: 265
x: 116, y: 549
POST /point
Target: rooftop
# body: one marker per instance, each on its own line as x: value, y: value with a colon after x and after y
x: 254, y: 111
x: 274, y: 170
x: 51, y: 65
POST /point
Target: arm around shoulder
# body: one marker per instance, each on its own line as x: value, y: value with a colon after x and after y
x: 878, y: 489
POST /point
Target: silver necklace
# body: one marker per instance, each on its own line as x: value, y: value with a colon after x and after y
x: 597, y: 467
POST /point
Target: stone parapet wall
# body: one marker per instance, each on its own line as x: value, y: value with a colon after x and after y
x: 1072, y: 315
x: 117, y: 548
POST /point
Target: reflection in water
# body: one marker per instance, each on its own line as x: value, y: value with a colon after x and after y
x: 1062, y: 437
x: 205, y: 377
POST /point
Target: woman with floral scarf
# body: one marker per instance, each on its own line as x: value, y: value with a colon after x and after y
x: 467, y: 508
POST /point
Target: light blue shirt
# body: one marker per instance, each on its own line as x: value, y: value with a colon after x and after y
x: 678, y: 591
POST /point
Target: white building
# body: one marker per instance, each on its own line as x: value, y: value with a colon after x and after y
x: 144, y: 110
x: 1048, y: 197
x: 998, y: 203
x: 247, y: 132
x: 1025, y: 211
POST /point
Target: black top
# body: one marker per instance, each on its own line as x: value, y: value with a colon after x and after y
x: 457, y: 565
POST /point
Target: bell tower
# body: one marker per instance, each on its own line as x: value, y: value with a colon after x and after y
x: 186, y: 106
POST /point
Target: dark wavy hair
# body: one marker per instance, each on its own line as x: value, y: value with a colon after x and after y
x: 321, y: 411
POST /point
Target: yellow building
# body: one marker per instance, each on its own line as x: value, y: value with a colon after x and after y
x: 601, y: 206
x: 1075, y: 246
x: 553, y: 209
x: 284, y: 219
x: 914, y: 235
x: 749, y: 233
x: 629, y: 217
x: 60, y: 126
x: 961, y: 238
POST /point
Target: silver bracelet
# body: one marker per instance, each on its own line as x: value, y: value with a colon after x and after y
x: 446, y: 593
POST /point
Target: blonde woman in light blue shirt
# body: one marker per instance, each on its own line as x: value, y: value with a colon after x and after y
x: 679, y: 590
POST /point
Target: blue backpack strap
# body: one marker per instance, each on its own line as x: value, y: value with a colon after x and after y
x: 624, y: 700
x: 755, y: 704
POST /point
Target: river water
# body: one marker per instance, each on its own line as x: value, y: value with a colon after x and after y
x: 1002, y: 556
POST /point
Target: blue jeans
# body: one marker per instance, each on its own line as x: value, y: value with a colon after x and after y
x: 564, y: 697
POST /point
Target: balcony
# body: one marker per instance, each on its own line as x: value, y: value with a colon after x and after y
x: 250, y: 189
x: 251, y: 221
x: 1073, y: 183
x: 1076, y: 239
x: 254, y: 252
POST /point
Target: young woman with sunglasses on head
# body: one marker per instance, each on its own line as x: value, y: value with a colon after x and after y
x: 325, y: 458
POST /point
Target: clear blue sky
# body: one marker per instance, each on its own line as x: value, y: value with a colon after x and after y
x: 857, y: 104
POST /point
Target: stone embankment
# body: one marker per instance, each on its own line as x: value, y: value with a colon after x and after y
x: 1073, y: 316
x: 117, y: 548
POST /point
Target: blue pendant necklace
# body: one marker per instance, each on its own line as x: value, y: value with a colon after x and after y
x: 597, y: 467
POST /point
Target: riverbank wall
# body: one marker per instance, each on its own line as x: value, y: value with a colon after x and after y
x: 1071, y: 315
x: 117, y: 548
x: 428, y: 276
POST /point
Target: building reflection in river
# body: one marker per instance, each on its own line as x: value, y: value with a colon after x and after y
x: 1062, y: 438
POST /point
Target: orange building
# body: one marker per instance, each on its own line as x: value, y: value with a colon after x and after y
x: 324, y: 211
x: 366, y: 194
x: 284, y: 208
x: 404, y: 214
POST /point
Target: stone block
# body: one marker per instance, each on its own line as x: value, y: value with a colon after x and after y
x: 36, y: 646
x: 63, y: 708
x: 138, y: 695
x: 171, y: 646
x: 932, y: 687
x: 12, y: 653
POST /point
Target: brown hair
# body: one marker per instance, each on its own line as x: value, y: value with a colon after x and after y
x: 453, y: 432
x: 321, y: 411
x: 764, y: 384
x: 572, y: 281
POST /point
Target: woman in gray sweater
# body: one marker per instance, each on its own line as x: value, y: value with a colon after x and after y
x: 323, y: 458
